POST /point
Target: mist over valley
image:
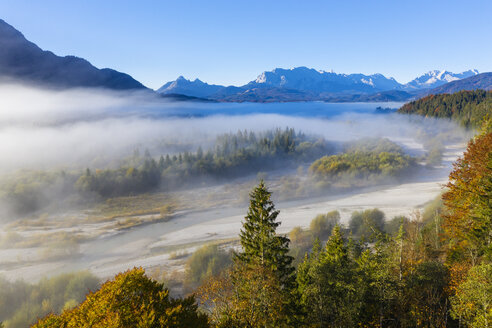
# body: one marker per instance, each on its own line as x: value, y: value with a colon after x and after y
x: 303, y: 197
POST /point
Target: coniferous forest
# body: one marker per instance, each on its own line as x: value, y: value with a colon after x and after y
x: 468, y: 108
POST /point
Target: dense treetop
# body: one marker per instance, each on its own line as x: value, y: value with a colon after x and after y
x: 131, y: 299
x: 363, y: 160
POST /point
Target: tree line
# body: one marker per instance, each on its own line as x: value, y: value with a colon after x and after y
x: 232, y: 155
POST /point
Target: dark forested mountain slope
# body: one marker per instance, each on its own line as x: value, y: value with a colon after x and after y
x: 23, y: 60
x: 466, y: 107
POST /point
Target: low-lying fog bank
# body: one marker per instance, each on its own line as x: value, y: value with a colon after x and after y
x: 49, y: 130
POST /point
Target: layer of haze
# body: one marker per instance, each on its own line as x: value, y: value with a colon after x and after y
x: 43, y: 129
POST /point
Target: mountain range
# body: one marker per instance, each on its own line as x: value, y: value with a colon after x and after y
x: 304, y: 84
x: 437, y: 78
x: 23, y: 61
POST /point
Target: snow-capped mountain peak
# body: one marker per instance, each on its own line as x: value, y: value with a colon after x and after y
x: 436, y: 78
x: 320, y: 81
x: 261, y: 78
x: 183, y: 86
x: 312, y: 83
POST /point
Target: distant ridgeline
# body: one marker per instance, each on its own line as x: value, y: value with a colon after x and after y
x: 468, y: 108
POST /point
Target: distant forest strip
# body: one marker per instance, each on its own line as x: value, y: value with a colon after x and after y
x: 468, y: 108
x: 233, y: 155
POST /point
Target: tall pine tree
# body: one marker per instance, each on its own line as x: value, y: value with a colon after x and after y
x: 259, y: 240
x: 263, y: 279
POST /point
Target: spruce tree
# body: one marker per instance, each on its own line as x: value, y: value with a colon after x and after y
x: 260, y: 243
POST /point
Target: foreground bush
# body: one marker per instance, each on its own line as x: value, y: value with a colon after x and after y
x: 207, y: 261
x: 322, y: 225
x: 367, y: 224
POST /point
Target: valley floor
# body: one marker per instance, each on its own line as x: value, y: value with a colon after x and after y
x: 165, y: 244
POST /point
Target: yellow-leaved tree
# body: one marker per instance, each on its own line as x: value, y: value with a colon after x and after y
x: 131, y: 299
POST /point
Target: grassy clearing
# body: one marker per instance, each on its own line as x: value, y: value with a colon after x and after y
x: 146, y: 204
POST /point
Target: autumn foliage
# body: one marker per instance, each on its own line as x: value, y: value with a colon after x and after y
x: 468, y: 219
x: 131, y: 299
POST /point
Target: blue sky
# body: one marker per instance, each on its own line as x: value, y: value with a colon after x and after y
x: 231, y: 42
